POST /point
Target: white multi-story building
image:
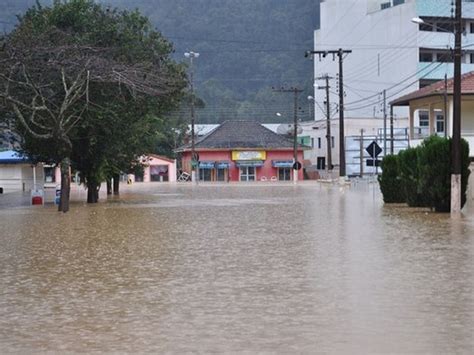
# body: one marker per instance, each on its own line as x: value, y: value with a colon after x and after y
x: 389, y: 51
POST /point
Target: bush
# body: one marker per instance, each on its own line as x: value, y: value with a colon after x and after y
x: 390, y: 180
x: 410, y: 177
x: 435, y: 172
x: 423, y: 174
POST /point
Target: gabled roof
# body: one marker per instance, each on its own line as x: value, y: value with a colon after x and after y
x: 437, y: 88
x: 241, y: 134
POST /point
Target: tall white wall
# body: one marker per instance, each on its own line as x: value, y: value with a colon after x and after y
x: 384, y: 52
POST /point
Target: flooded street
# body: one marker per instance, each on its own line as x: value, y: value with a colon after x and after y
x: 259, y: 268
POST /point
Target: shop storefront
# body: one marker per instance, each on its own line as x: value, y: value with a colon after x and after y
x: 243, y: 151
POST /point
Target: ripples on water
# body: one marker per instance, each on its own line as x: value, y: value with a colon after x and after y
x: 277, y: 268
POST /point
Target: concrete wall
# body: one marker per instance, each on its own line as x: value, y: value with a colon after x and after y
x: 19, y: 177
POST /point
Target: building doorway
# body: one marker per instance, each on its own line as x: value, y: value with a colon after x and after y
x: 221, y: 174
x: 321, y: 163
x: 284, y: 174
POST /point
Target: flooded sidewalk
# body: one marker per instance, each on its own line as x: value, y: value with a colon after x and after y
x: 280, y: 268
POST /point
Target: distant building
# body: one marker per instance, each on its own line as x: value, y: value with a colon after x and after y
x: 388, y: 50
x: 156, y: 168
x: 18, y: 173
x: 243, y: 151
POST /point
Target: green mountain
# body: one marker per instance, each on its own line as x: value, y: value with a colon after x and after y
x: 246, y: 47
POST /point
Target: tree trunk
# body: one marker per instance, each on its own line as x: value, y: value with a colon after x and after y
x: 92, y: 192
x: 65, y: 186
x: 109, y: 186
x: 116, y: 178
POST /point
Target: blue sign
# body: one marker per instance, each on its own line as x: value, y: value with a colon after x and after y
x: 207, y: 164
x: 222, y: 165
x: 282, y: 163
x: 247, y: 163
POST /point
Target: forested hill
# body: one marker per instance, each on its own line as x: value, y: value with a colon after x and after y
x: 246, y: 47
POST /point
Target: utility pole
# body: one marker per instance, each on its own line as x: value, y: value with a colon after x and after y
x: 340, y: 54
x: 391, y: 130
x: 361, y: 147
x: 456, y: 140
x: 445, y: 105
x: 384, y: 123
x: 296, y: 164
x: 194, y: 160
x: 328, y: 121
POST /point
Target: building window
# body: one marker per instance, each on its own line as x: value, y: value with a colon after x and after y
x: 444, y: 57
x: 471, y: 58
x: 319, y: 142
x: 312, y: 142
x: 49, y: 174
x: 398, y: 2
x: 424, y: 118
x: 471, y: 27
x: 248, y: 173
x: 385, y: 5
x: 332, y: 142
x: 439, y: 122
x: 445, y: 26
x: 159, y: 173
x: 426, y: 57
x: 284, y: 174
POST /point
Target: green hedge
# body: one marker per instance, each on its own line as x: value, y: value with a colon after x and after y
x: 390, y: 180
x: 423, y: 175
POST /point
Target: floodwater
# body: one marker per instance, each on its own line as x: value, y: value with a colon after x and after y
x: 251, y: 268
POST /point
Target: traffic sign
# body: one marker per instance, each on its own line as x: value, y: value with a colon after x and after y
x: 297, y: 166
x: 373, y: 149
x: 370, y: 162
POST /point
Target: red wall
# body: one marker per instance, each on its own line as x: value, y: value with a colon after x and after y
x: 266, y: 170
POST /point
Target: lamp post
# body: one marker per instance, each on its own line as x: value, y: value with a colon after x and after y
x: 456, y: 158
x: 194, y: 161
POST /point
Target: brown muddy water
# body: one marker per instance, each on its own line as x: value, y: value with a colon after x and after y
x: 236, y: 268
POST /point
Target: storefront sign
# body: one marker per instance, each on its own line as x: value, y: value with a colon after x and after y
x: 207, y: 164
x: 222, y: 165
x: 249, y: 155
x: 282, y: 163
x: 247, y: 163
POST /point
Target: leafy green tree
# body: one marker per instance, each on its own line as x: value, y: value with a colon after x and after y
x: 62, y: 63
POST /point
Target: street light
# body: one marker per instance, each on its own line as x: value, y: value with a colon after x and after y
x: 194, y: 161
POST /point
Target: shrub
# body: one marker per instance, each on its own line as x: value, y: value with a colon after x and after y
x: 435, y: 172
x: 410, y: 177
x: 390, y: 181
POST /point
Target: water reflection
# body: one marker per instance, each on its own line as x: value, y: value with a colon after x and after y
x: 275, y: 268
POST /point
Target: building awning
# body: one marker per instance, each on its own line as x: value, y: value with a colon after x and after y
x: 222, y: 164
x: 282, y: 163
x: 248, y: 163
x: 12, y: 157
x: 207, y: 164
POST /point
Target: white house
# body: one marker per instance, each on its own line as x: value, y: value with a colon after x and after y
x: 370, y: 128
